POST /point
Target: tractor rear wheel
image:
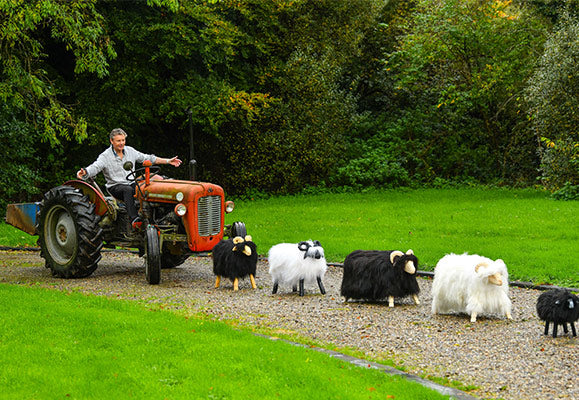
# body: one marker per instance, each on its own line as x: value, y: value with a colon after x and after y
x: 70, y: 238
x: 152, y: 256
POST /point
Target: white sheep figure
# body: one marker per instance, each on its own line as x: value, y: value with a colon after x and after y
x: 297, y: 263
x: 470, y: 284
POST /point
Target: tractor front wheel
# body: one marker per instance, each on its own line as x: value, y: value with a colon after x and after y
x: 238, y: 229
x: 152, y: 256
x: 70, y: 238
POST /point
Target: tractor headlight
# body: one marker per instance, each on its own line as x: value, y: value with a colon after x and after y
x: 180, y: 209
x: 229, y: 206
x: 179, y: 196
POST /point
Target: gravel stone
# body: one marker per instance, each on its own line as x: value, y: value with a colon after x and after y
x: 500, y: 358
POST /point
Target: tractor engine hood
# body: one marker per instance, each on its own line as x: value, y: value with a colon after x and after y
x: 205, y: 205
x: 176, y: 191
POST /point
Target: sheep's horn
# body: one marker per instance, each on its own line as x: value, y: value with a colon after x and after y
x: 237, y: 240
x: 248, y: 238
x: 317, y: 243
x: 303, y: 246
x: 247, y: 251
x: 480, y: 265
x: 409, y: 252
x: 410, y: 267
x: 395, y: 253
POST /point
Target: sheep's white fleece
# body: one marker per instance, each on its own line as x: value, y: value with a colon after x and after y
x: 458, y: 288
x: 287, y: 264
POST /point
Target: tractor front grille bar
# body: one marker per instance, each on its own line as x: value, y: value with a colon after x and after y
x: 209, y: 215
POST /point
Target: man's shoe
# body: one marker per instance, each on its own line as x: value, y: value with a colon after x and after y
x: 137, y: 223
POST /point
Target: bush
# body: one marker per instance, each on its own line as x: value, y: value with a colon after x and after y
x: 567, y: 192
x: 460, y: 66
x: 378, y: 168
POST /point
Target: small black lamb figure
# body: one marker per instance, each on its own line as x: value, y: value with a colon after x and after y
x: 235, y: 258
x: 560, y: 307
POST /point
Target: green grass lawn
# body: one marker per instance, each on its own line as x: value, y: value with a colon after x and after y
x: 68, y: 345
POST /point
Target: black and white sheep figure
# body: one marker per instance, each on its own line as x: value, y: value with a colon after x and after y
x: 376, y: 275
x: 472, y: 284
x: 234, y: 259
x: 559, y: 306
x: 297, y: 263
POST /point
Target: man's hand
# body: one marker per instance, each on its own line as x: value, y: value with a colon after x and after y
x: 174, y: 161
x: 81, y: 173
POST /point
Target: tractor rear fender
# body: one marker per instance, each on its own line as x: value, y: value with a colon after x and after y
x: 93, y: 195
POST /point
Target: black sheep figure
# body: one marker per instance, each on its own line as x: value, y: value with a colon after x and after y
x: 560, y: 307
x: 375, y: 275
x: 235, y: 258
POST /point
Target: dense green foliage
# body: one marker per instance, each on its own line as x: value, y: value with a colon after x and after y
x: 28, y: 29
x: 98, y: 348
x: 284, y: 95
x: 554, y: 94
x: 464, y: 63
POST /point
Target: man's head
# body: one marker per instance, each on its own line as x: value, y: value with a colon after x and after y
x: 118, y: 138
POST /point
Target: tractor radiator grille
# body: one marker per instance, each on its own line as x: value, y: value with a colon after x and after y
x: 209, y: 215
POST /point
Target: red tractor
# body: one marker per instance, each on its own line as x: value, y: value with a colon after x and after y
x: 76, y: 220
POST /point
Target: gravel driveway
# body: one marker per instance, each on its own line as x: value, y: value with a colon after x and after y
x: 502, y: 359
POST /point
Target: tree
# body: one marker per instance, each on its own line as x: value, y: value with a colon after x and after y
x: 37, y: 112
x: 462, y: 66
x: 553, y: 94
x: 263, y: 80
x: 29, y: 85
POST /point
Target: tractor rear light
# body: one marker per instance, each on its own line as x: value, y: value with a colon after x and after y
x: 229, y: 206
x: 180, y: 209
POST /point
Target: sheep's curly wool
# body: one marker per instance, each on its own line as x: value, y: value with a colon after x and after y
x: 371, y: 275
x: 230, y: 260
x: 470, y: 284
x: 297, y: 263
x: 560, y: 307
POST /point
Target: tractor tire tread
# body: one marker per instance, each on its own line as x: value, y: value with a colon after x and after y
x: 85, y: 259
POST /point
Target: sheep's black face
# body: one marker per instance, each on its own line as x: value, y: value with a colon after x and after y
x: 407, y: 262
x: 240, y: 245
x: 568, y: 304
x: 566, y: 301
x: 312, y: 249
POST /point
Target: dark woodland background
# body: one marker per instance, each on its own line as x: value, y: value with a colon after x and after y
x: 286, y: 96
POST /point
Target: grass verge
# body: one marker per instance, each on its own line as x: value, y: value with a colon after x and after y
x: 68, y: 345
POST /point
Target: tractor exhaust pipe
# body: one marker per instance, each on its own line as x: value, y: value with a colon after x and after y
x: 192, y: 161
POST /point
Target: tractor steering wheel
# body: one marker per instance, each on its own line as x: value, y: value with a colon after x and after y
x: 137, y: 175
